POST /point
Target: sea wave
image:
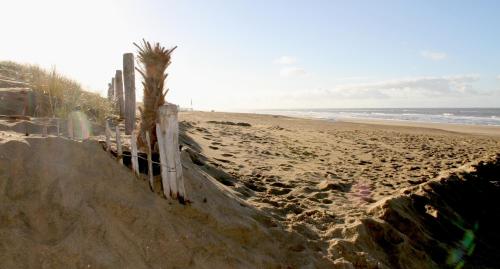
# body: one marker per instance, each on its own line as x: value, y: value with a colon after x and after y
x: 489, y: 116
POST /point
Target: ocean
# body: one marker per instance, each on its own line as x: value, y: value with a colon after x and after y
x: 470, y: 116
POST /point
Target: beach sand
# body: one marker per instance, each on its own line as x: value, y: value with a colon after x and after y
x: 265, y: 192
x: 319, y: 177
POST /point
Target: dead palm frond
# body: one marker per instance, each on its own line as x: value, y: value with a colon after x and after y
x: 153, y: 62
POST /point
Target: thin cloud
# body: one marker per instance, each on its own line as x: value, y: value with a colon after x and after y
x: 352, y: 78
x: 446, y: 86
x: 433, y: 55
x: 285, y: 60
x: 292, y: 72
x: 420, y: 86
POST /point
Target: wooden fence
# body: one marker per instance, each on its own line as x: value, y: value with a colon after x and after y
x: 167, y: 131
x: 122, y: 92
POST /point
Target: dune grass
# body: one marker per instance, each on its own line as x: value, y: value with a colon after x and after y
x: 62, y: 95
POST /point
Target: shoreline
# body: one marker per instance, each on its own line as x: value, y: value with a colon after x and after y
x: 450, y: 127
x: 487, y: 130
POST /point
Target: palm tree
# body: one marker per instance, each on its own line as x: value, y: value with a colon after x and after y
x: 153, y: 62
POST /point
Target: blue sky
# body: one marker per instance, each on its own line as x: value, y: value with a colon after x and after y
x: 276, y: 54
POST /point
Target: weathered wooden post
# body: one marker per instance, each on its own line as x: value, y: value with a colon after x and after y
x: 119, y: 92
x: 119, y: 152
x: 58, y: 123
x: 70, y: 126
x: 135, y: 158
x: 169, y: 132
x: 129, y: 86
x: 113, y: 91
x: 44, y: 128
x: 150, y: 162
x: 163, y: 162
x: 108, y: 137
x: 110, y: 92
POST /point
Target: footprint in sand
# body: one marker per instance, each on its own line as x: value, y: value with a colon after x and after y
x: 275, y: 191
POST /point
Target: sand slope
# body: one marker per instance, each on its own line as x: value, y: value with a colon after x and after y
x: 66, y: 204
x: 449, y: 222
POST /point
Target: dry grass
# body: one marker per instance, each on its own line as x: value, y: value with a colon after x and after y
x: 63, y: 94
x: 154, y: 61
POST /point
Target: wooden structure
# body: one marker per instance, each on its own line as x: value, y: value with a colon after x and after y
x: 129, y: 86
x: 119, y: 93
x: 167, y: 131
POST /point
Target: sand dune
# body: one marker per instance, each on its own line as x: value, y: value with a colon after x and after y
x: 68, y: 204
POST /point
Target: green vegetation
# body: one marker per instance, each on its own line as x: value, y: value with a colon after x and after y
x: 61, y: 95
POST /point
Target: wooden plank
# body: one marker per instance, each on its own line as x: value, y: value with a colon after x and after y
x: 177, y: 156
x: 150, y: 162
x: 113, y: 99
x: 119, y: 92
x: 110, y: 92
x: 163, y: 161
x: 166, y: 147
x: 135, y: 158
x: 70, y: 126
x: 169, y: 124
x: 129, y: 86
x: 108, y: 137
x: 44, y: 128
x: 58, y: 122
x: 119, y: 151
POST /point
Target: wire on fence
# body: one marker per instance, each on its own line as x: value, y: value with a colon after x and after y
x: 123, y: 154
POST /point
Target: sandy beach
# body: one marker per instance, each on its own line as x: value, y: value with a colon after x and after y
x: 319, y: 177
x: 264, y: 192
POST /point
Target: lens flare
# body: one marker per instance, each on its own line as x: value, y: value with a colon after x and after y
x: 466, y: 248
x: 80, y: 125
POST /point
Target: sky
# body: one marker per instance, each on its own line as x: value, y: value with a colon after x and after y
x: 238, y: 55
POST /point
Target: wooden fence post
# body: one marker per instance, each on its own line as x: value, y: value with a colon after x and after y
x: 119, y: 92
x: 150, y: 162
x: 110, y: 91
x: 70, y: 126
x: 129, y: 86
x: 44, y: 128
x: 169, y: 127
x: 119, y: 151
x: 58, y: 122
x: 113, y: 90
x: 108, y: 137
x: 135, y: 158
x: 163, y: 162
